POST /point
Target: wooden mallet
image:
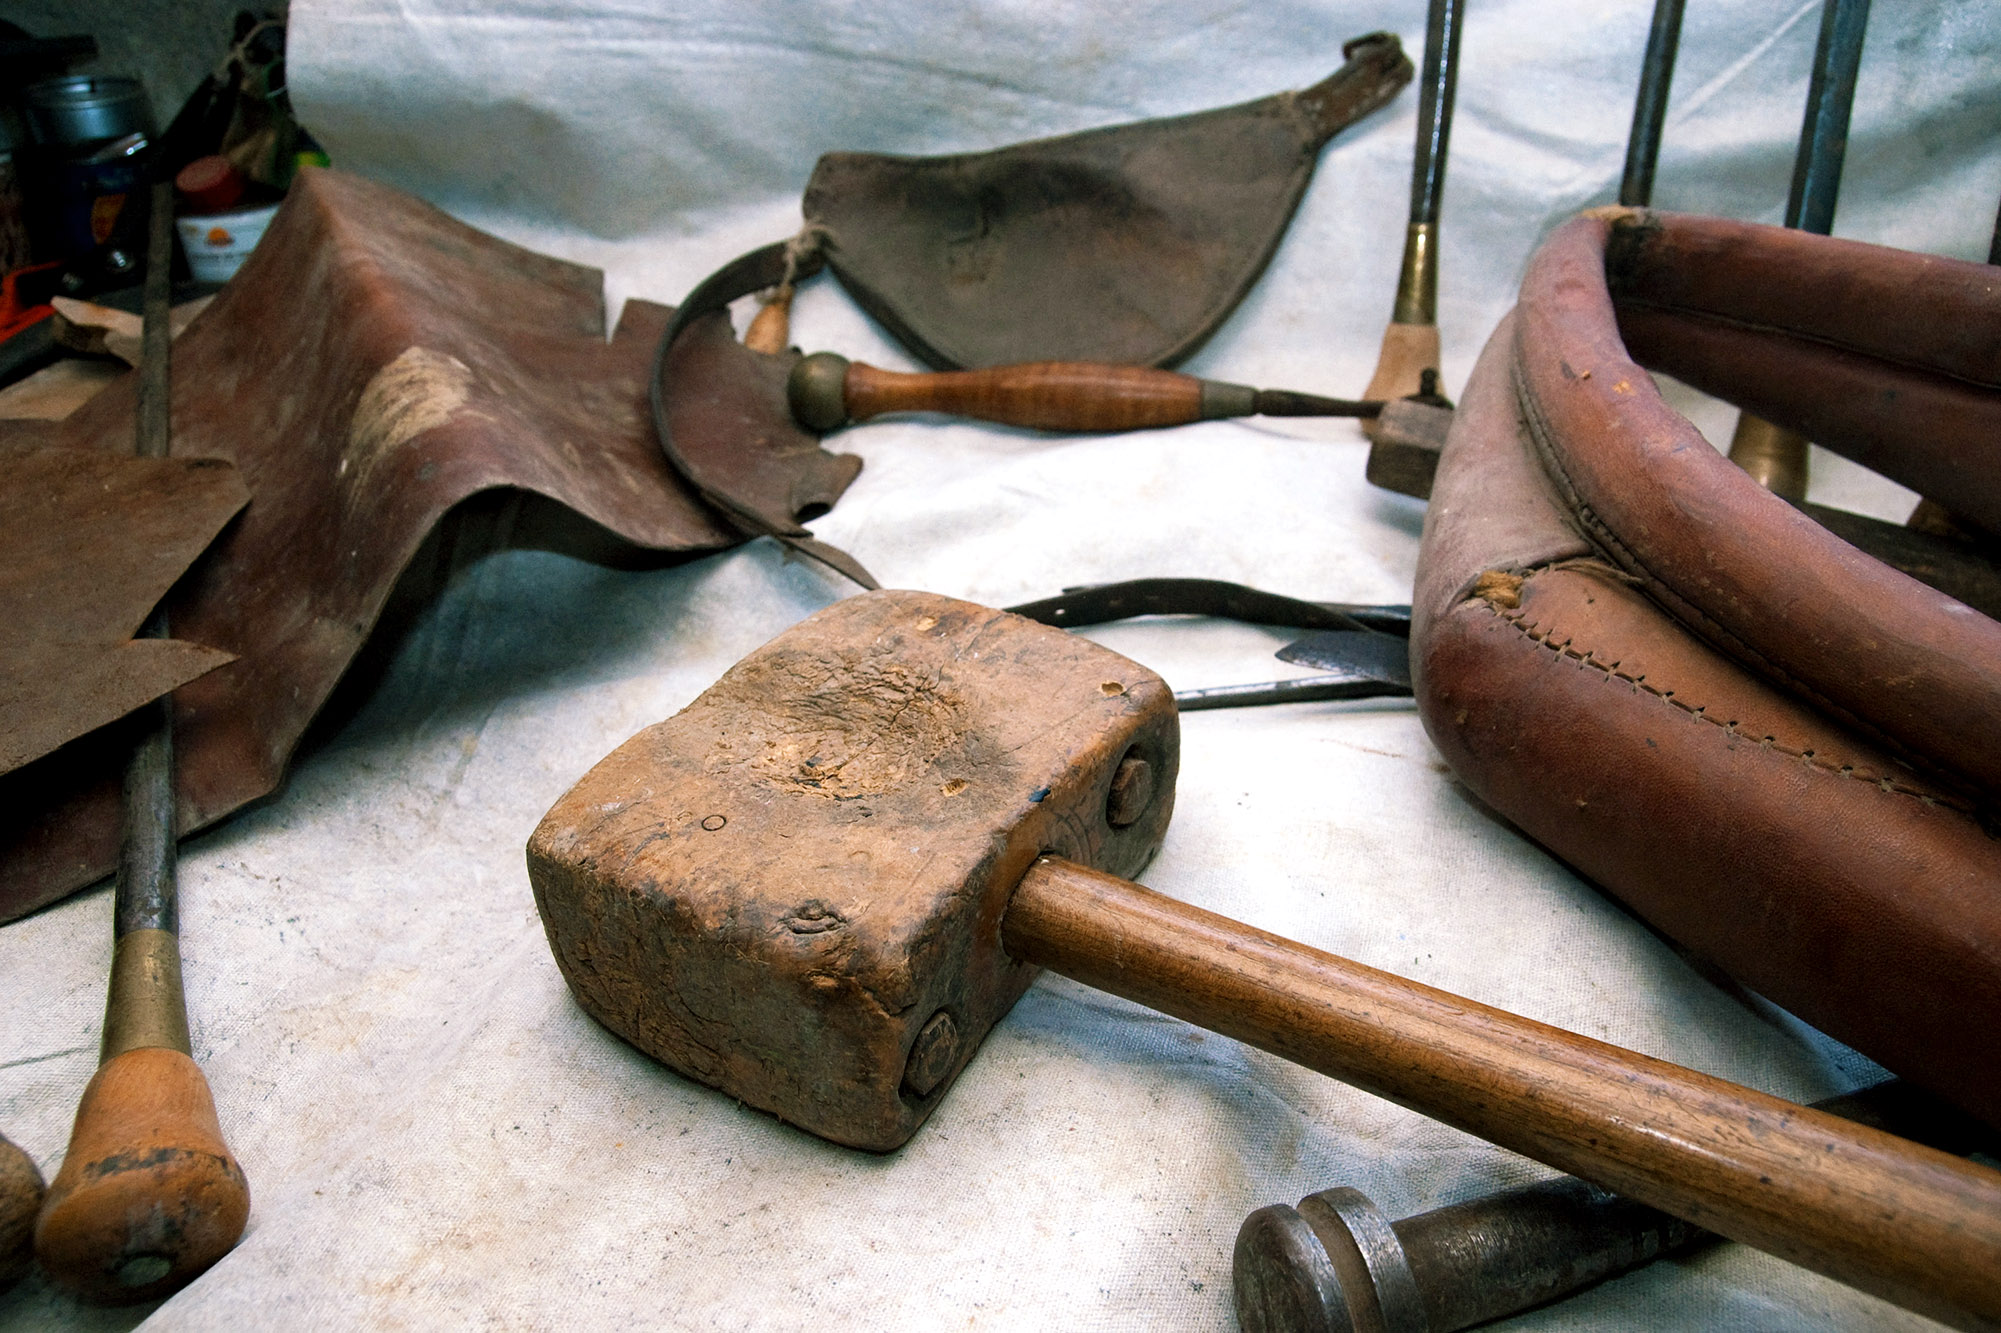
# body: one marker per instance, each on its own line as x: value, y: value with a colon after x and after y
x: 819, y: 885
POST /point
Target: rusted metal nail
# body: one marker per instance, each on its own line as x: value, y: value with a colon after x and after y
x: 932, y: 1054
x: 1132, y: 791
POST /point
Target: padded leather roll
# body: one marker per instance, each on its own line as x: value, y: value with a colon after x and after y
x: 1781, y: 752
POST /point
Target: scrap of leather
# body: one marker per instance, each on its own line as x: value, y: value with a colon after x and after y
x: 722, y: 419
x: 1128, y: 244
x: 1630, y: 650
x: 89, y: 543
x: 374, y: 364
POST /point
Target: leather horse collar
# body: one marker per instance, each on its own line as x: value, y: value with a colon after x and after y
x: 1781, y: 752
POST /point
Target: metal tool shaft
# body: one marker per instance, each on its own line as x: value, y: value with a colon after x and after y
x: 149, y: 1194
x: 146, y: 1005
x: 1775, y: 456
x: 1643, y: 145
x: 1830, y: 97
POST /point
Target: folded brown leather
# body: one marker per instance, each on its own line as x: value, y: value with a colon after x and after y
x: 1782, y: 753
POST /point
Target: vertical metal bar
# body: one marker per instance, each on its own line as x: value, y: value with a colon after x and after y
x: 1417, y: 284
x: 1439, y: 81
x: 1643, y: 145
x: 146, y: 1005
x: 1775, y: 456
x: 1829, y: 99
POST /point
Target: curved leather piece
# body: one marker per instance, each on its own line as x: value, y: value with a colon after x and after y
x: 1758, y: 579
x: 1810, y: 861
x: 1894, y: 386
x: 1127, y: 244
x: 720, y: 414
x: 374, y: 365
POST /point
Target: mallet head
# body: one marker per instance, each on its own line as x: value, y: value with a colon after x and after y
x: 792, y: 890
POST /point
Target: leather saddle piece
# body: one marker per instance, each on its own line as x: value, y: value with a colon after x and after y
x: 1782, y: 753
x: 1127, y: 244
x: 374, y: 365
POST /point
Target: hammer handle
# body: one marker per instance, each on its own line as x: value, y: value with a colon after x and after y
x: 1908, y: 1223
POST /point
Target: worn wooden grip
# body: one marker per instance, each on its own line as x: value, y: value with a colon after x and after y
x: 1908, y: 1223
x: 148, y: 1195
x: 21, y: 1193
x: 1408, y: 351
x: 1046, y: 395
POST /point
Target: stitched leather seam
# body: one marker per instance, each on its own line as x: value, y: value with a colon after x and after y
x: 1611, y: 671
x: 1601, y: 535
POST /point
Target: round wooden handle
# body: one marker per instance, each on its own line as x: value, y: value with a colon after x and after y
x: 20, y: 1196
x: 1048, y: 395
x: 148, y: 1195
x: 1906, y: 1222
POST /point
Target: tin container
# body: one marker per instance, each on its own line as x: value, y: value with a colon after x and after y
x: 82, y: 109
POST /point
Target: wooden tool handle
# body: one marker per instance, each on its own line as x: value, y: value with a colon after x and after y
x: 1908, y: 1223
x: 1048, y: 395
x: 148, y: 1195
x: 21, y: 1192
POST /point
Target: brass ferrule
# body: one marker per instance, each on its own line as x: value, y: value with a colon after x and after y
x: 1417, y: 285
x: 1774, y: 456
x: 1222, y: 401
x: 146, y: 1006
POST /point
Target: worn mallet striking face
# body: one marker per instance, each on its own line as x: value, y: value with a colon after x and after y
x: 818, y: 886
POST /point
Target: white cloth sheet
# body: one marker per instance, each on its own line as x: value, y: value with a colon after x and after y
x: 437, y: 1137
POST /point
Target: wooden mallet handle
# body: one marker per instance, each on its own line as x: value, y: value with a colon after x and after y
x: 1911, y: 1224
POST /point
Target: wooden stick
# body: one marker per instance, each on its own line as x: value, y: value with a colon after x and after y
x: 148, y: 1195
x: 1908, y: 1223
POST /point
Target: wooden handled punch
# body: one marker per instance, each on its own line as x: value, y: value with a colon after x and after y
x: 148, y: 1195
x: 827, y: 391
x: 819, y: 886
x: 1410, y: 340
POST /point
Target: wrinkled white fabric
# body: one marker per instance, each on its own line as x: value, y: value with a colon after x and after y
x: 436, y: 1136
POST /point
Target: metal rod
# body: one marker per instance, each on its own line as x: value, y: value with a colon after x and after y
x: 1775, y: 456
x: 149, y: 1194
x: 146, y: 1005
x: 1439, y: 81
x: 1643, y: 145
x: 1304, y: 689
x: 1830, y: 97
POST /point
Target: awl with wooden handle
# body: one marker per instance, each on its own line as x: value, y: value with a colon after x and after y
x: 827, y: 391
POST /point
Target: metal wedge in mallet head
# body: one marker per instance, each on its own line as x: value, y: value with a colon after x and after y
x: 818, y: 886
